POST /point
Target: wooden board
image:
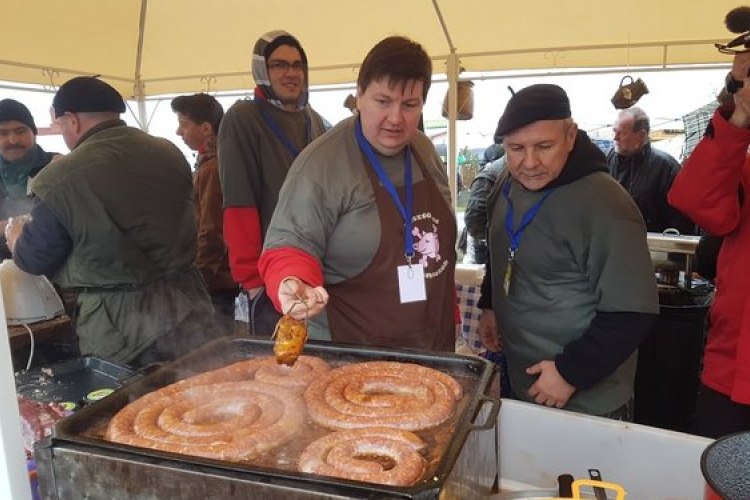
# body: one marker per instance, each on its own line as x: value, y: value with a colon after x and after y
x: 42, y: 330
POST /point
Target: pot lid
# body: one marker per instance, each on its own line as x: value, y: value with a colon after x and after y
x: 726, y: 466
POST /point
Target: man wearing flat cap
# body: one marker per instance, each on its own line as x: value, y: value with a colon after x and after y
x: 115, y: 223
x: 21, y: 158
x: 570, y: 279
x: 712, y: 189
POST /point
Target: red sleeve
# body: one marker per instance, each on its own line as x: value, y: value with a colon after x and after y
x: 242, y: 235
x: 279, y: 263
x: 706, y: 188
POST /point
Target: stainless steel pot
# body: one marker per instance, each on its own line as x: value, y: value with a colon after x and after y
x: 552, y: 494
x: 724, y: 464
x: 541, y: 494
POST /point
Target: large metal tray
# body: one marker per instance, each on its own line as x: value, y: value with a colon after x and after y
x: 71, y: 380
x: 79, y: 452
x: 658, y: 242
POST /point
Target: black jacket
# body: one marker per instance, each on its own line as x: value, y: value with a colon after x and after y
x: 475, y: 216
x: 647, y: 176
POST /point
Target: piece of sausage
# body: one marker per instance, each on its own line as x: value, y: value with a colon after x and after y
x: 384, y: 394
x: 356, y: 454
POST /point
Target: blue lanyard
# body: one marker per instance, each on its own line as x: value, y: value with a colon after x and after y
x: 280, y: 133
x: 515, y: 236
x: 405, y: 211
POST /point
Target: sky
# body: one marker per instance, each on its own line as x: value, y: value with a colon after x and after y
x: 671, y: 95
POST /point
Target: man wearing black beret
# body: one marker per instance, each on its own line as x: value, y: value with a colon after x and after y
x: 21, y: 158
x: 115, y: 223
x: 570, y: 279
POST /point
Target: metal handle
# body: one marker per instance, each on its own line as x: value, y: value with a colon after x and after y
x: 597, y: 484
x: 491, y: 418
x: 142, y: 372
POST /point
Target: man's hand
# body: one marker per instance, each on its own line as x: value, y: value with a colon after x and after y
x: 741, y: 115
x: 488, y: 331
x: 298, y: 299
x: 13, y: 230
x: 550, y: 388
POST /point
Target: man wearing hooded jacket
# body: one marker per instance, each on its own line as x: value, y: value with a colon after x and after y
x: 569, y: 278
x: 258, y: 141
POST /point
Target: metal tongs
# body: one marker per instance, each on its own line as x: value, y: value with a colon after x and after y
x: 297, y: 302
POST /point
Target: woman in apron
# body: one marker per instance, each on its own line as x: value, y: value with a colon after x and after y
x: 364, y: 231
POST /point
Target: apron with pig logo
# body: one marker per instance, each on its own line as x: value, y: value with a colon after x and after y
x: 366, y: 309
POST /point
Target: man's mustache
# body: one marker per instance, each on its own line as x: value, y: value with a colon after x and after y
x: 15, y: 147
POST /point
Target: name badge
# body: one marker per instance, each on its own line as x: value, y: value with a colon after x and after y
x: 411, y: 284
x: 242, y: 308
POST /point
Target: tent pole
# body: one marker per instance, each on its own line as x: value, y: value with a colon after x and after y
x: 140, y: 93
x: 14, y: 480
x: 452, y: 73
x: 140, y: 99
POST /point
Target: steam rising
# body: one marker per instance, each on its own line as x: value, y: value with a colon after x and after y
x: 12, y: 207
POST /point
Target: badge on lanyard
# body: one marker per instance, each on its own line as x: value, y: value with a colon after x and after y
x: 411, y: 283
x: 515, y: 235
x: 509, y: 272
x: 411, y: 280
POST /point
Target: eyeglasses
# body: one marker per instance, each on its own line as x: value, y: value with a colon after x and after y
x: 725, y: 49
x: 739, y: 45
x: 284, y: 66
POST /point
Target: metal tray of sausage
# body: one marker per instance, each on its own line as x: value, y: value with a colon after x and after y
x: 73, y: 449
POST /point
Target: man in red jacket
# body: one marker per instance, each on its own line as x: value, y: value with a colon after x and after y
x: 710, y: 189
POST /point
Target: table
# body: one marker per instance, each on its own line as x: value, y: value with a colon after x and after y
x: 469, y: 279
x: 42, y: 331
x: 468, y: 290
x: 54, y: 340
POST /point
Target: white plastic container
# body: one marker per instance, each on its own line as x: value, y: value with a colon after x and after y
x: 537, y: 444
x: 27, y: 298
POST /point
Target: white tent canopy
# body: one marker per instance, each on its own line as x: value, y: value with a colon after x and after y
x: 147, y: 48
x: 157, y: 47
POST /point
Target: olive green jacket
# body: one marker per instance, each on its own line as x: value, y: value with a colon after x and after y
x: 126, y: 201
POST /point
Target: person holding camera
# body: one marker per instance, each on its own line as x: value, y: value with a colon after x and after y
x: 711, y: 189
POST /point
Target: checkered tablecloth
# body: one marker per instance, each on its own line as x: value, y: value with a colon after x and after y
x: 468, y: 297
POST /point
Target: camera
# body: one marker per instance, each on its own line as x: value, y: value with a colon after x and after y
x: 733, y: 85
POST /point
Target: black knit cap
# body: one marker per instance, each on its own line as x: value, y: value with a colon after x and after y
x: 284, y: 40
x: 12, y: 110
x: 532, y: 104
x: 87, y: 94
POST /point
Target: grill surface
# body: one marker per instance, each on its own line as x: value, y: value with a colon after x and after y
x: 74, y: 461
